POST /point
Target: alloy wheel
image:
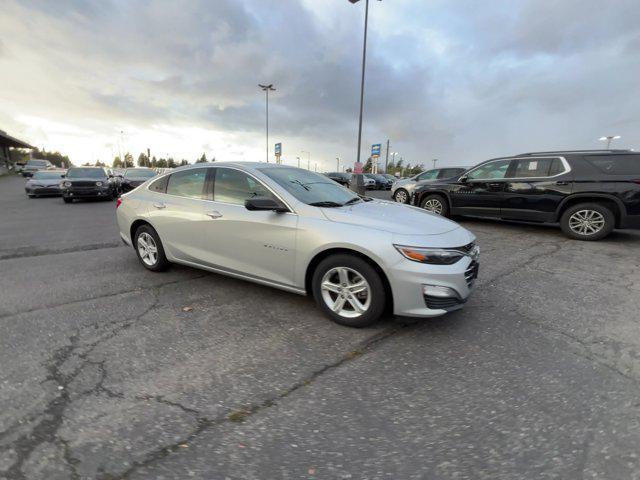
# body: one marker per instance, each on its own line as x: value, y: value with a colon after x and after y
x: 433, y: 205
x: 147, y: 249
x: 346, y: 292
x: 586, y: 222
x: 401, y: 196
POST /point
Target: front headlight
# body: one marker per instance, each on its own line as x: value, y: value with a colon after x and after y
x: 431, y: 256
x: 98, y: 184
x: 66, y: 184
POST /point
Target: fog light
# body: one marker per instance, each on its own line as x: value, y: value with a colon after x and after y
x: 439, y: 291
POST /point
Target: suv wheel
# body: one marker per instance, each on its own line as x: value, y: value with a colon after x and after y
x: 587, y: 221
x: 349, y: 290
x: 67, y: 200
x: 401, y: 196
x: 435, y: 204
x: 149, y: 249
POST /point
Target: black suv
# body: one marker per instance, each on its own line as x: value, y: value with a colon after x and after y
x: 88, y: 182
x: 589, y: 192
x: 342, y: 178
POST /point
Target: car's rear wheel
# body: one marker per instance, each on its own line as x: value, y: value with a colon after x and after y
x: 435, y: 204
x: 67, y: 200
x: 587, y: 221
x: 401, y: 196
x: 349, y: 290
x: 149, y: 249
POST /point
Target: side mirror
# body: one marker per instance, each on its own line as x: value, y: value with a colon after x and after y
x: 264, y: 204
x: 62, y: 176
x: 463, y: 179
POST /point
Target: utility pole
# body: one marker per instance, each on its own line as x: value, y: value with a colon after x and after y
x: 434, y: 162
x: 337, y: 164
x: 267, y: 89
x: 298, y: 158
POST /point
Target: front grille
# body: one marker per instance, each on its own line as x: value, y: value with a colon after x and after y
x: 471, y: 273
x: 81, y: 184
x: 442, y: 303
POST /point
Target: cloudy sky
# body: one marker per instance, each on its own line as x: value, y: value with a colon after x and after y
x: 460, y: 81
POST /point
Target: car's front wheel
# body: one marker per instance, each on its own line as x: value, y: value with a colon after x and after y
x: 349, y: 290
x: 149, y: 249
x: 67, y: 200
x: 401, y: 196
x: 587, y: 221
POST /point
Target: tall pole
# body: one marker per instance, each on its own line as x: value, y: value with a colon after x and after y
x: 386, y: 158
x: 337, y: 164
x: 267, y: 89
x: 434, y: 162
x: 298, y: 161
x: 308, y: 158
x: 364, y: 61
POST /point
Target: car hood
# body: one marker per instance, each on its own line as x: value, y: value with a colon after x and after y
x: 45, y: 181
x: 391, y: 217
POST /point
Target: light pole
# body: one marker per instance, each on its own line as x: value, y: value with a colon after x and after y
x: 364, y: 61
x: 609, y: 138
x: 266, y: 89
x: 434, y: 162
x: 298, y: 158
x: 337, y: 164
x: 308, y: 158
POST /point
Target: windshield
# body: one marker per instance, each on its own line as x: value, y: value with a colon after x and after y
x: 47, y: 175
x: 311, y: 188
x: 37, y: 163
x: 139, y: 173
x: 86, y: 173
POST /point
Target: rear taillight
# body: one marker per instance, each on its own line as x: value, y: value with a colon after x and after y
x: 118, y: 202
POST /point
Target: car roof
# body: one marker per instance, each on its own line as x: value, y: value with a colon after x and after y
x: 579, y: 152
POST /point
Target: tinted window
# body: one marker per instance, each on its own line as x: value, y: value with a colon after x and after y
x: 430, y: 175
x: 616, y: 164
x: 159, y: 185
x: 532, y: 167
x: 189, y: 183
x: 47, y: 175
x: 556, y: 167
x: 234, y: 186
x: 450, y: 172
x: 86, y: 173
x: 491, y: 170
x: 37, y: 163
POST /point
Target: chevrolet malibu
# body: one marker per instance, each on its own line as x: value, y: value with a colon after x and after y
x: 301, y: 232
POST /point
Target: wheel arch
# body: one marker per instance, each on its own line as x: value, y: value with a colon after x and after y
x: 615, y: 204
x: 442, y: 193
x: 137, y: 224
x: 318, y: 257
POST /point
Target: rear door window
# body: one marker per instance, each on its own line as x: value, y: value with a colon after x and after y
x: 429, y: 175
x: 188, y: 183
x: 616, y: 164
x: 450, y: 172
x: 234, y: 186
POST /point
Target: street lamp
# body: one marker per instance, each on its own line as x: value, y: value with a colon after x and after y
x: 266, y: 89
x: 434, y: 162
x: 364, y: 60
x: 337, y: 164
x: 298, y: 158
x: 609, y: 138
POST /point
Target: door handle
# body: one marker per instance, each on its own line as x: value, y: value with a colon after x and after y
x: 562, y: 183
x: 495, y: 185
x: 214, y: 214
x: 159, y: 205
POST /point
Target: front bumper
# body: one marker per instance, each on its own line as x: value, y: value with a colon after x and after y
x: 92, y: 192
x: 421, y: 290
x: 43, y: 190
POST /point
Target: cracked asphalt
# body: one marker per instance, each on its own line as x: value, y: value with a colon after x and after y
x: 104, y: 375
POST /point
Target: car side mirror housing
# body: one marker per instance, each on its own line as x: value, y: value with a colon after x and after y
x: 264, y: 204
x: 62, y: 176
x: 463, y: 179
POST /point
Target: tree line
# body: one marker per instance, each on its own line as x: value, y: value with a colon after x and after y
x: 146, y: 160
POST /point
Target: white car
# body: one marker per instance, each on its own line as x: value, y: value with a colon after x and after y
x: 302, y: 232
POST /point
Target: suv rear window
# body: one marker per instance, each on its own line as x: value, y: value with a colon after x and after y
x: 616, y: 164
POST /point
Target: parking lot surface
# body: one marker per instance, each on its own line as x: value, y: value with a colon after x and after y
x: 111, y: 371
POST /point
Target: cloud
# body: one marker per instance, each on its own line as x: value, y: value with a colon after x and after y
x: 459, y: 81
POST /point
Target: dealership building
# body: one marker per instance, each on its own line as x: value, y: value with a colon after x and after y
x: 8, y: 142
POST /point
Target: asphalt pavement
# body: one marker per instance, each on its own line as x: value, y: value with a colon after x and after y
x: 110, y: 371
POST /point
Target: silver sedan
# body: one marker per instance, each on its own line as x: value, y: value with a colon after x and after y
x: 301, y: 232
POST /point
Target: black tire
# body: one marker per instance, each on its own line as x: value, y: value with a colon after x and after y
x: 67, y: 200
x: 31, y: 195
x: 569, y: 221
x: 401, y: 190
x: 357, y: 267
x: 435, y: 199
x: 161, y: 262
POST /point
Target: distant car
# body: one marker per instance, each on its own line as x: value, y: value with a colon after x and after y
x: 388, y: 176
x: 379, y: 183
x: 134, y: 177
x: 342, y: 178
x: 34, y: 165
x: 88, y: 182
x: 44, y: 182
x: 384, y: 182
x: 588, y: 192
x: 402, y: 190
